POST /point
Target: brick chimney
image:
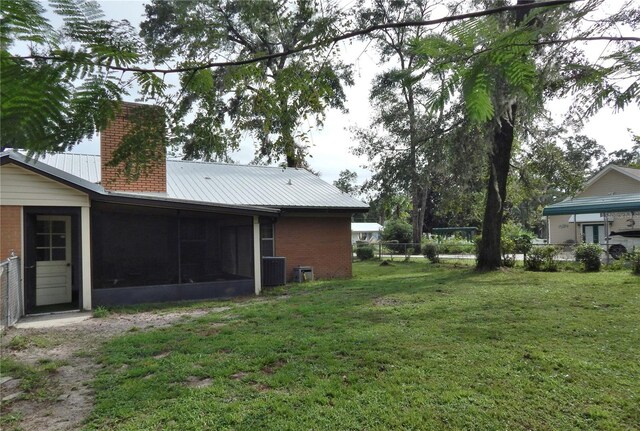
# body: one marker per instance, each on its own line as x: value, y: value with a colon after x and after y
x: 153, y: 179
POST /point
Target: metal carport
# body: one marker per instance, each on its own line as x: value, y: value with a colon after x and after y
x: 604, y: 205
x: 595, y: 204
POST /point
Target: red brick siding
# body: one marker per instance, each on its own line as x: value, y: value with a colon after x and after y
x: 10, y: 228
x: 321, y: 242
x: 112, y: 178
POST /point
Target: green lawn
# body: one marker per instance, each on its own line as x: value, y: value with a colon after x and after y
x: 410, y: 346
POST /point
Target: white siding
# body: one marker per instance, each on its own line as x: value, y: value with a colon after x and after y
x: 19, y: 186
x: 561, y: 230
x: 611, y: 182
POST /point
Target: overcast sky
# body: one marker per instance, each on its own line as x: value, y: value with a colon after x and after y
x: 331, y: 146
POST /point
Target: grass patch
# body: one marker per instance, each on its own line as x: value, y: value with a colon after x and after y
x: 172, y: 307
x: 35, y: 380
x: 22, y: 342
x: 10, y: 419
x: 101, y: 312
x: 408, y: 346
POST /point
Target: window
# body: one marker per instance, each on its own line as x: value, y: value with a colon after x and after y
x: 266, y: 239
x: 51, y: 240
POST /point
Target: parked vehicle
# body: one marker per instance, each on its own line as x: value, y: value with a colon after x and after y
x: 622, y: 242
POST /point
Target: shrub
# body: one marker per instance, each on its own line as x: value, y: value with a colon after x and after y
x: 514, y: 240
x: 398, y: 231
x: 364, y: 252
x: 455, y: 247
x: 589, y: 255
x: 476, y: 246
x: 509, y: 260
x: 542, y: 259
x: 430, y: 251
x: 100, y: 312
x: 634, y: 258
x: 408, y: 251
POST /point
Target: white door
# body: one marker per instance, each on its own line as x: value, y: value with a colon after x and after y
x: 53, y: 260
x: 594, y: 233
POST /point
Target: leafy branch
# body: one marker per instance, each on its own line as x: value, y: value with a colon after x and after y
x: 310, y: 46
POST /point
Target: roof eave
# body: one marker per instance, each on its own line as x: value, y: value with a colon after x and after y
x: 160, y: 202
x: 50, y: 172
x: 603, y: 171
x: 322, y: 209
x: 591, y: 208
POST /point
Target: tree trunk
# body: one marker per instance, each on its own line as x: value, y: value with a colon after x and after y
x: 418, y: 201
x: 490, y: 256
x: 417, y: 210
x: 290, y: 149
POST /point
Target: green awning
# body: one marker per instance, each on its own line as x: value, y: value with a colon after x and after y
x: 595, y: 204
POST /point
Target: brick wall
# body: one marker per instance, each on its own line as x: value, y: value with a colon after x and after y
x: 321, y: 242
x: 113, y: 179
x: 10, y: 229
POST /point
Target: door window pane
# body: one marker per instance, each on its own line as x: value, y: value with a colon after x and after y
x: 42, y: 240
x: 58, y: 226
x: 51, y: 239
x: 58, y: 240
x: 42, y: 254
x: 43, y: 226
x: 58, y: 254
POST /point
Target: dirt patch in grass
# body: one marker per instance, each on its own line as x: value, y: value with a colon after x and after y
x: 68, y: 397
x: 272, y: 368
x: 198, y: 382
x: 260, y: 387
x: 238, y: 376
x: 386, y: 302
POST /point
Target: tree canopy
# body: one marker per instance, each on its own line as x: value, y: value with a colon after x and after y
x: 271, y: 100
x: 504, y: 68
x: 53, y: 105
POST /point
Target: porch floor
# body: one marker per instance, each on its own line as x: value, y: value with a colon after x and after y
x: 53, y: 320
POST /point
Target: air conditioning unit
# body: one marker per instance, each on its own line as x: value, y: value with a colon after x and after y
x: 274, y: 271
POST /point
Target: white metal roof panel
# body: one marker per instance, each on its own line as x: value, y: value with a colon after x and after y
x: 85, y: 166
x: 228, y: 183
x: 253, y: 185
x: 366, y: 227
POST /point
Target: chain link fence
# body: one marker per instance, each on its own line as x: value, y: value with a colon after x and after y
x: 394, y: 250
x: 465, y: 251
x: 10, y: 292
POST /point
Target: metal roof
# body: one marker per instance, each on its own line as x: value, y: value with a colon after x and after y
x: 631, y: 172
x: 97, y: 192
x: 366, y: 227
x: 595, y: 204
x: 85, y: 166
x: 228, y: 184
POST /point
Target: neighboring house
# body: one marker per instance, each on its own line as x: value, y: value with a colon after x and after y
x: 187, y: 230
x: 608, y: 205
x: 369, y: 232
